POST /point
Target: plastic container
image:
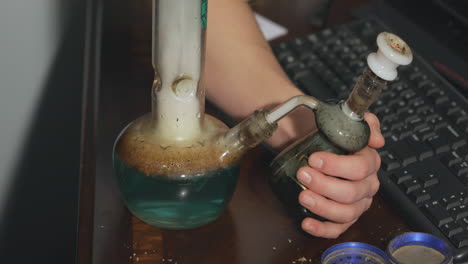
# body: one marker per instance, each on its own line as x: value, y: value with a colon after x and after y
x: 408, y: 248
x: 416, y: 247
x: 354, y: 253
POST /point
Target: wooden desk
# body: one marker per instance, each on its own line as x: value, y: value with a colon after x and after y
x: 254, y: 229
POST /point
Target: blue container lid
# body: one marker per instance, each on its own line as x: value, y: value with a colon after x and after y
x: 419, y: 239
x: 354, y: 253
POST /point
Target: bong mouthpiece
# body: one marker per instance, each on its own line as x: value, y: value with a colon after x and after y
x: 392, y: 52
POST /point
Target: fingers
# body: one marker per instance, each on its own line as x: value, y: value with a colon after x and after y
x: 324, y: 229
x: 330, y: 229
x: 332, y: 210
x: 352, y: 167
x: 376, y: 139
x: 333, y: 198
x: 340, y: 190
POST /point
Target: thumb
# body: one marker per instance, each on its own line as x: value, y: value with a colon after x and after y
x: 376, y: 140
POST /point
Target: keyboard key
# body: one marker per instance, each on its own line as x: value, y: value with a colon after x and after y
x: 459, y: 116
x: 417, y: 124
x: 429, y: 85
x: 417, y: 76
x: 389, y: 117
x: 403, y: 152
x: 431, y: 116
x: 397, y: 126
x: 439, y: 98
x: 448, y: 108
x: 347, y: 75
x: 424, y: 108
x: 328, y: 76
x: 338, y: 86
x: 456, y: 138
x: 412, y: 118
x: 316, y: 66
x: 407, y: 94
x: 282, y: 51
x: 463, y: 126
x: 460, y: 169
x: 303, y: 49
x: 464, y: 223
x: 399, y: 86
x: 326, y: 32
x: 460, y: 212
x: 401, y: 176
x: 419, y: 196
x: 437, y: 214
x: 460, y: 239
x: 439, y: 144
x: 463, y: 153
x: 312, y: 38
x: 464, y: 179
x: 450, y: 159
x: 296, y: 70
x: 451, y: 229
x: 403, y: 132
x: 290, y: 58
x: 438, y: 123
x: 329, y: 58
x: 416, y: 102
x: 451, y: 201
x: 425, y: 133
x: 312, y: 85
x: 428, y: 179
x: 429, y: 171
x: 389, y: 162
x: 421, y: 148
x: 410, y: 186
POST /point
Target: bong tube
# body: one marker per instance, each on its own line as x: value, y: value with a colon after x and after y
x: 296, y: 101
x: 177, y: 51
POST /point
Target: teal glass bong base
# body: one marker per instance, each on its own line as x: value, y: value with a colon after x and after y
x: 182, y: 203
x: 177, y: 167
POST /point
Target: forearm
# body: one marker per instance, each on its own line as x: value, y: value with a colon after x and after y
x: 242, y: 74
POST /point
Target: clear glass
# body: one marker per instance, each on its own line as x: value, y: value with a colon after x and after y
x: 177, y: 167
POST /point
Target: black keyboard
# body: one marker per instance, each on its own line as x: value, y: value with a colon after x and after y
x: 424, y: 172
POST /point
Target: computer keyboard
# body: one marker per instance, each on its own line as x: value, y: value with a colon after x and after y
x: 424, y: 172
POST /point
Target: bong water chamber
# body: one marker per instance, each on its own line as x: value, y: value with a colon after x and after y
x: 177, y: 167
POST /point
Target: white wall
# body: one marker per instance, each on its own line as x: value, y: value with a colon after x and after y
x: 30, y: 31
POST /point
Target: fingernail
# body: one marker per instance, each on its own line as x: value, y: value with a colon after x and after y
x: 304, y: 177
x: 309, y: 201
x: 316, y: 163
x: 308, y: 226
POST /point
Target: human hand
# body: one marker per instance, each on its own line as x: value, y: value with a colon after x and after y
x: 340, y: 187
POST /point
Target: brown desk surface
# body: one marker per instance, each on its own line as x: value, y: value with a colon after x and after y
x: 254, y: 229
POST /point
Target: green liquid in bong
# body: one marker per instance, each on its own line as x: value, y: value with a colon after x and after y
x: 176, y: 203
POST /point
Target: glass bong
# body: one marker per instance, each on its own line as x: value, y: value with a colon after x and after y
x: 340, y: 126
x: 177, y: 167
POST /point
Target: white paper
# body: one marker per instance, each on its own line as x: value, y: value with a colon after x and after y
x: 269, y: 28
